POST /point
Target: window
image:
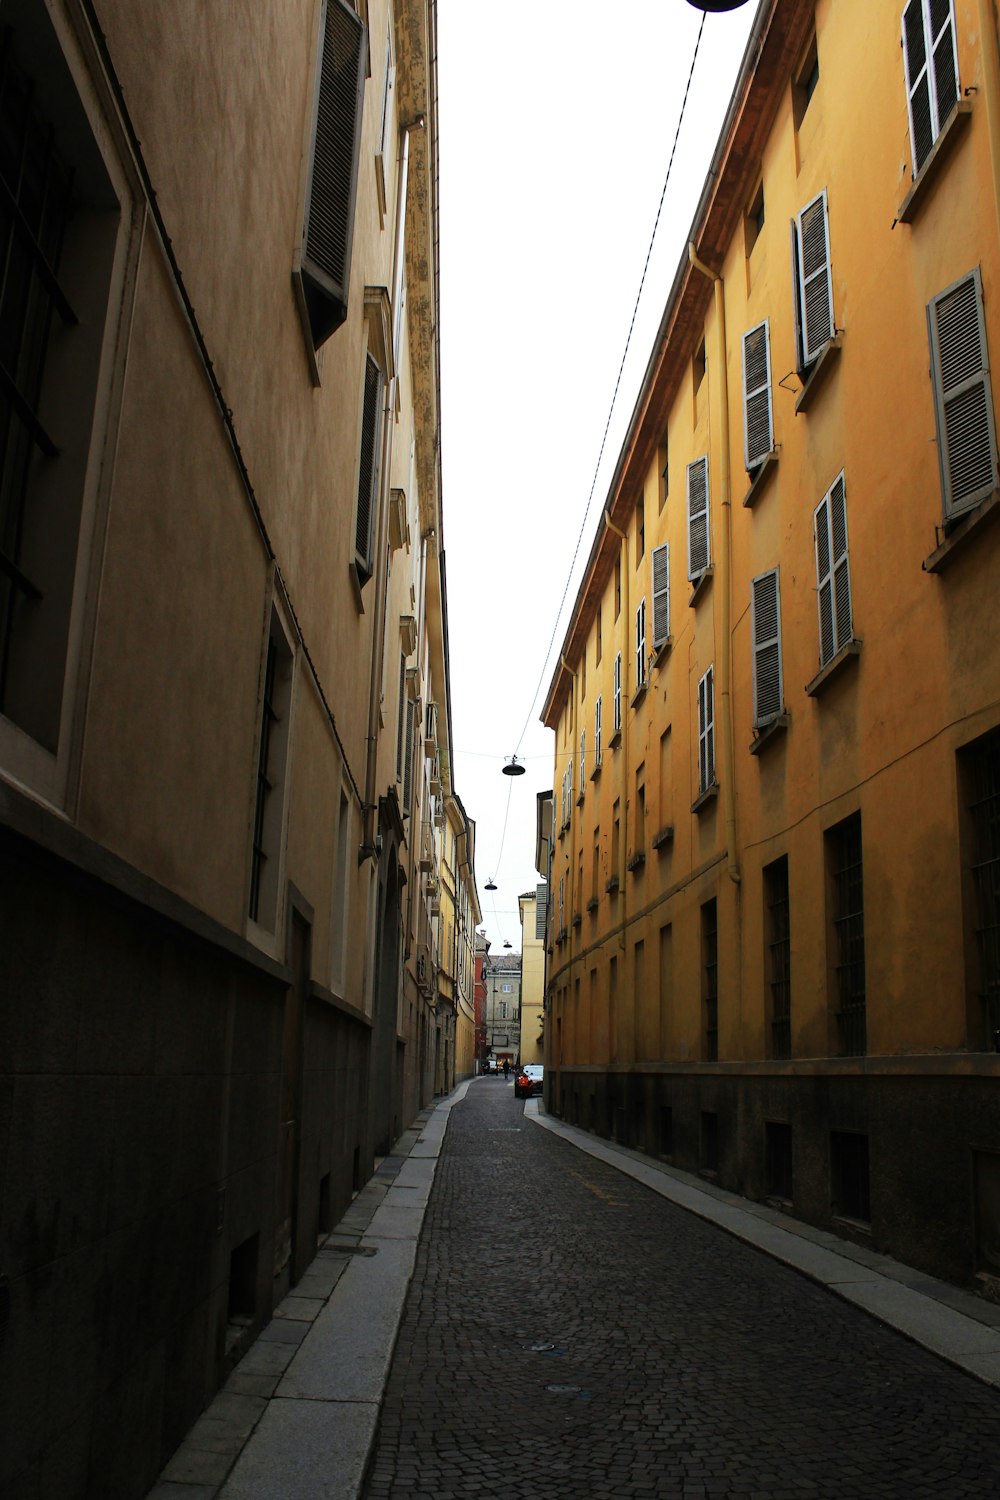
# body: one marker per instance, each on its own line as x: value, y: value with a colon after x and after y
x: 710, y: 977
x: 618, y: 586
x: 541, y: 911
x: 698, y: 366
x: 597, y: 733
x: 833, y: 577
x: 639, y: 834
x: 616, y: 828
x: 706, y: 733
x: 664, y: 470
x: 753, y: 222
x: 699, y: 543
x: 583, y: 674
x: 849, y: 1189
x: 323, y: 276
x: 411, y: 715
x: 778, y: 939
x: 758, y: 433
x: 963, y: 397
x: 597, y: 645
x: 401, y: 717
x: 272, y: 758
x: 847, y: 888
x: 766, y: 631
x: 660, y: 568
x: 932, y: 89
x: 562, y: 905
x: 640, y: 530
x: 595, y: 869
x: 383, y: 159
x: 583, y: 759
x: 640, y: 645
x: 813, y: 282
x: 569, y: 790
x: 981, y: 789
x: 805, y: 83
x: 60, y: 237
x: 368, y: 470
x: 618, y: 692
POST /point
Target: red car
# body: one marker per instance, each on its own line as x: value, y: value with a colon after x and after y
x: 529, y: 1081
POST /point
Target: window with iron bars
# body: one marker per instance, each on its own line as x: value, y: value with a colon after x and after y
x: 982, y: 763
x: 710, y: 977
x: 844, y: 853
x: 779, y: 956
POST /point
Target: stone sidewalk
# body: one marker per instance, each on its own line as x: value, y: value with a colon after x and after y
x: 298, y: 1417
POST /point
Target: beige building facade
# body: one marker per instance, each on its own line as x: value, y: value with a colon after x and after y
x: 225, y: 741
x: 531, y: 908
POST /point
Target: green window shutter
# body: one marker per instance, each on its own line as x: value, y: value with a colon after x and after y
x: 963, y: 396
x: 333, y: 170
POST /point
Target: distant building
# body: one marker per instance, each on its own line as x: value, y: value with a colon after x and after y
x: 532, y: 907
x: 503, y: 1008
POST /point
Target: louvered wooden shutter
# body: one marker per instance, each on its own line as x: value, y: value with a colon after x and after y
x: 699, y: 548
x: 661, y: 595
x: 618, y: 692
x: 963, y: 395
x: 706, y: 732
x: 640, y: 644
x: 541, y: 910
x: 815, y: 281
x: 333, y: 174
x: 833, y: 577
x: 767, y: 684
x: 569, y: 790
x: 796, y: 298
x: 368, y: 467
x: 597, y: 731
x: 932, y: 89
x: 583, y: 759
x: 757, y: 417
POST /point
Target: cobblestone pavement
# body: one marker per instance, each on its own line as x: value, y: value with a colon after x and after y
x: 570, y: 1335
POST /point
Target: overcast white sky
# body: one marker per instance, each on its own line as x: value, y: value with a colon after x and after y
x: 557, y: 119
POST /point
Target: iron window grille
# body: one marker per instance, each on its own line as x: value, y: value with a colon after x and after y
x: 849, y: 926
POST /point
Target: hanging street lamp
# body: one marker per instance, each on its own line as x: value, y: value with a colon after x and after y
x: 513, y: 769
x: 716, y: 5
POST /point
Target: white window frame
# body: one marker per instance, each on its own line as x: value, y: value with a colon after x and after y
x: 706, y: 731
x: 698, y: 564
x: 833, y: 573
x: 934, y: 50
x: 963, y: 395
x: 757, y: 403
x: 598, y: 713
x: 583, y: 759
x: 765, y: 600
x: 640, y: 644
x: 618, y: 692
x: 659, y: 571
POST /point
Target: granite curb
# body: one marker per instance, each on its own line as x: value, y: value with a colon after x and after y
x: 949, y: 1322
x: 298, y: 1416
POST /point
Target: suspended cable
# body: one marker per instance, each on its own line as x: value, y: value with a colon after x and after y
x: 621, y: 367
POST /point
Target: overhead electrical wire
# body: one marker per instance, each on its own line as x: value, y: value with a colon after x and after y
x: 614, y: 398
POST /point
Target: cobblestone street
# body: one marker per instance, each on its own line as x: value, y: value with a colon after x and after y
x: 570, y: 1335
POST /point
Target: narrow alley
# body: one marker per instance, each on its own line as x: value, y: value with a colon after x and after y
x: 570, y: 1334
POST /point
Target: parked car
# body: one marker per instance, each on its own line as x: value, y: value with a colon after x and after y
x: 529, y: 1081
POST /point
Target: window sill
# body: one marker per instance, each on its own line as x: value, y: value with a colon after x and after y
x: 822, y: 365
x: 637, y: 861
x: 662, y: 650
x: 592, y: 905
x: 704, y: 798
x: 595, y: 773
x: 962, y: 528
x: 951, y: 132
x: 615, y: 740
x: 767, y: 733
x: 612, y: 886
x: 664, y: 837
x: 762, y: 474
x: 699, y: 585
x: 639, y: 694
x: 847, y: 653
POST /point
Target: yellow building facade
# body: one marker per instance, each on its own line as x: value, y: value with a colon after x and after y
x: 773, y: 944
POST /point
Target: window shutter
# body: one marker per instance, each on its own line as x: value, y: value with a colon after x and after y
x: 796, y: 303
x: 333, y: 171
x: 661, y: 595
x: 757, y: 415
x: 569, y: 790
x: 706, y: 732
x: 408, y: 759
x: 640, y: 644
x: 963, y: 396
x: 618, y: 692
x: 541, y: 910
x: 368, y: 467
x: 931, y: 71
x: 699, y: 550
x: 400, y: 716
x: 767, y: 683
x: 833, y: 578
x: 815, y: 281
x: 597, y: 732
x: 583, y: 759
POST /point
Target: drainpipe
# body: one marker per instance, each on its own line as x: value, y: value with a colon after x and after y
x: 622, y: 854
x: 989, y: 46
x: 725, y: 644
